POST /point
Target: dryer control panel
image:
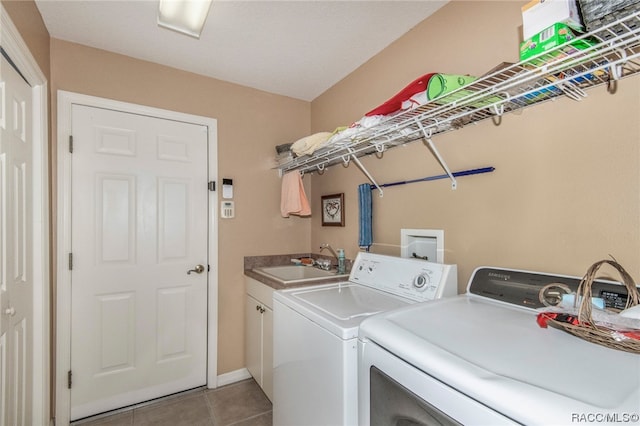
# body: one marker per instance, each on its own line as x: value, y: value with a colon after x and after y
x: 414, y: 279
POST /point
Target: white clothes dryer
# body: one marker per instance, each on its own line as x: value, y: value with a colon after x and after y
x: 316, y: 330
x: 481, y: 359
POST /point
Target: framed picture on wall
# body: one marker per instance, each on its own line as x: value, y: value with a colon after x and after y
x: 333, y: 210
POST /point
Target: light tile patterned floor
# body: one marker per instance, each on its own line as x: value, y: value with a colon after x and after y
x: 241, y: 404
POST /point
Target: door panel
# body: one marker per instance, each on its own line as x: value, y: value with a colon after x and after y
x: 173, y: 324
x: 19, y: 202
x: 139, y: 223
x: 267, y: 352
x: 117, y: 345
x: 173, y: 219
x: 115, y: 222
x: 16, y: 240
x: 253, y: 338
x: 21, y: 349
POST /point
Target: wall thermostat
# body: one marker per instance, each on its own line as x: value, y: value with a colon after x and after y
x: 227, y: 188
x: 227, y: 210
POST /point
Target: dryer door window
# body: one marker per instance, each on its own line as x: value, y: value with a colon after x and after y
x: 393, y: 404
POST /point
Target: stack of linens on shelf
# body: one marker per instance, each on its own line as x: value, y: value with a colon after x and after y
x: 283, y: 154
x: 427, y: 88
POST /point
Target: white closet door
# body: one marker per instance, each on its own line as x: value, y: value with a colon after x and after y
x: 139, y: 224
x: 16, y: 248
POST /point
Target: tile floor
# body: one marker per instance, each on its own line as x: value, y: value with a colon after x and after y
x: 238, y: 404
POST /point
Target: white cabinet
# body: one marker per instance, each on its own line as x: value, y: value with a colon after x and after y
x: 259, y: 334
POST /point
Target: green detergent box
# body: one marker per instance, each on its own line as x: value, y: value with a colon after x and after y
x: 551, y: 37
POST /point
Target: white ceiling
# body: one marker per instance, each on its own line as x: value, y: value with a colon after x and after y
x: 294, y: 48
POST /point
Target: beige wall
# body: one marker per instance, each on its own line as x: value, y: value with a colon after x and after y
x: 566, y: 190
x: 565, y: 193
x: 250, y: 124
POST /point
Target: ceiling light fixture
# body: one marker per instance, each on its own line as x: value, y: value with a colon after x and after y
x: 184, y: 16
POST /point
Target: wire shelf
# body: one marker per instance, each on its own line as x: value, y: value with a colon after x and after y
x: 544, y: 77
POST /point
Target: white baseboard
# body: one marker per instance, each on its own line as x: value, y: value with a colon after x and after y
x: 233, y: 376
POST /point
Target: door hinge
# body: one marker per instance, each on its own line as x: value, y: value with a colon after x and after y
x: 69, y: 379
x: 212, y: 185
x: 71, y: 144
x: 208, y: 268
x: 70, y: 261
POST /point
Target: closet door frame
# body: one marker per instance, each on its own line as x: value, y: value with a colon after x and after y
x: 15, y: 47
x: 65, y: 100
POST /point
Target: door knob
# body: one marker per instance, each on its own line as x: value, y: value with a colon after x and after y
x: 10, y: 311
x: 198, y: 270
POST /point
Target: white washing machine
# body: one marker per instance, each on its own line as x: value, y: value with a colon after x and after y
x: 481, y: 359
x: 316, y: 334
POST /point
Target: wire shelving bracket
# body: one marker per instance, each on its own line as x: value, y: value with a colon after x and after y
x: 427, y: 138
x: 366, y: 172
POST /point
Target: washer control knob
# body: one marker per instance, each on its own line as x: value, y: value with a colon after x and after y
x: 421, y: 282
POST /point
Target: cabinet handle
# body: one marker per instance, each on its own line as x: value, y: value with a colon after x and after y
x: 257, y: 307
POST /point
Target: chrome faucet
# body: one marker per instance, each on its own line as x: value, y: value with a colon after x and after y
x: 328, y: 247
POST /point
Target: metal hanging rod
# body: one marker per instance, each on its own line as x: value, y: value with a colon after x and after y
x: 445, y: 176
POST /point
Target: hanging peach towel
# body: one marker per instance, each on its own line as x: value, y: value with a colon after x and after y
x: 293, y: 199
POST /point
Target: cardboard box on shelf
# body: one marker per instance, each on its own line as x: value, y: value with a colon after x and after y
x: 540, y: 14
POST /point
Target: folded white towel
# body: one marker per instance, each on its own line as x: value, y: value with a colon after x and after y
x: 293, y: 199
x: 308, y: 144
x: 350, y: 134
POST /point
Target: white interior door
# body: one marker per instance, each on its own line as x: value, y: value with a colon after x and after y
x: 139, y: 224
x: 16, y: 245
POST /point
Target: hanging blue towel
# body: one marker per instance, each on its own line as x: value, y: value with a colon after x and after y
x: 365, y: 238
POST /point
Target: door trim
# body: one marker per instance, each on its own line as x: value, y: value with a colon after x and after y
x: 21, y: 56
x: 63, y: 325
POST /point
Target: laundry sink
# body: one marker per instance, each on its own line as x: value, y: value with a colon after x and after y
x: 294, y: 274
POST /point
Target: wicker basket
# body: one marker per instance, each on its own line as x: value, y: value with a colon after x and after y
x: 586, y: 328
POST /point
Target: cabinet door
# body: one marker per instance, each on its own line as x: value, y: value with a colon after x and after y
x: 253, y: 338
x: 267, y: 353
